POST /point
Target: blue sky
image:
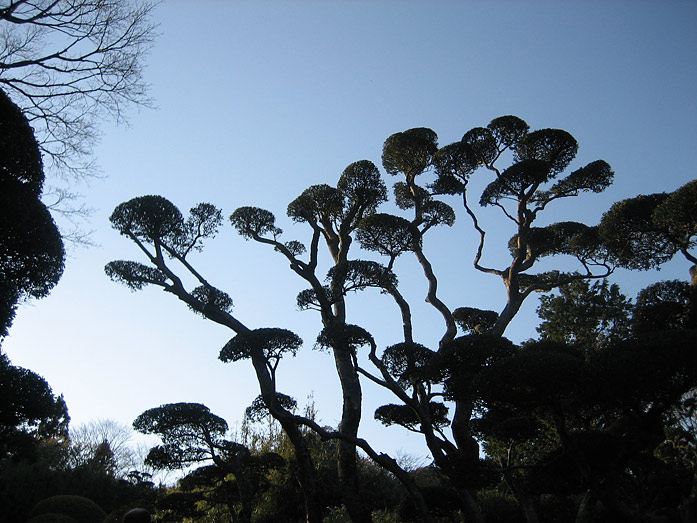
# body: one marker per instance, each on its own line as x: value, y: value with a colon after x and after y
x: 258, y: 100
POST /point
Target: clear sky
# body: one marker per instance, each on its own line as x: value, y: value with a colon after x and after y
x: 259, y: 99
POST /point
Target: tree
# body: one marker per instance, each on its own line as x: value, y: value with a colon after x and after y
x: 420, y: 377
x: 167, y: 240
x: 590, y: 316
x: 562, y: 403
x: 105, y: 444
x: 191, y: 434
x: 665, y: 305
x: 29, y: 412
x: 68, y: 64
x: 648, y: 230
x: 564, y: 422
x: 158, y: 228
x: 522, y: 192
x: 333, y: 214
x: 31, y: 248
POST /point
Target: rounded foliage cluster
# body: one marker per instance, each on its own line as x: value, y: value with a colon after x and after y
x: 471, y: 319
x: 133, y: 274
x: 409, y: 152
x: 258, y: 410
x: 171, y: 419
x: 77, y: 508
x: 209, y: 296
x: 556, y: 147
x: 251, y: 222
x: 632, y: 237
x: 356, y: 275
x: 409, y: 362
x: 344, y: 337
x: 272, y: 343
x: 151, y: 218
x: 362, y: 186
x: 316, y: 203
x: 386, y: 234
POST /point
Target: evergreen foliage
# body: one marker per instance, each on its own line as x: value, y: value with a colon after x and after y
x: 575, y: 425
x: 31, y: 248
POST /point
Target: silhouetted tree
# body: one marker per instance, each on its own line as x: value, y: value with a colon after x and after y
x: 191, y: 434
x: 158, y: 228
x: 90, y: 439
x: 522, y: 191
x: 332, y: 214
x: 648, y: 230
x: 162, y: 234
x: 436, y: 388
x: 565, y: 422
x: 31, y: 248
x: 29, y: 413
x: 665, y: 305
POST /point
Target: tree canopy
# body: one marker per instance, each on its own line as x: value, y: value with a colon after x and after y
x: 31, y: 247
x: 540, y: 410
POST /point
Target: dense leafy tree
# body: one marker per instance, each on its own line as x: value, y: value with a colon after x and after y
x: 31, y: 248
x: 665, y: 305
x: 590, y: 316
x: 648, y: 230
x: 29, y: 412
x: 38, y: 459
x: 565, y: 422
x: 631, y: 393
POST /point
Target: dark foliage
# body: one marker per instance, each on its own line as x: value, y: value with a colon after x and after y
x: 28, y: 411
x: 81, y: 509
x: 258, y: 410
x: 31, y: 248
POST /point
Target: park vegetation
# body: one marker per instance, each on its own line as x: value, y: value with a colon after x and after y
x: 592, y: 421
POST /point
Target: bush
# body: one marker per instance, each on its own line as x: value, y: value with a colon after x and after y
x: 82, y: 510
x: 52, y: 518
x: 499, y: 508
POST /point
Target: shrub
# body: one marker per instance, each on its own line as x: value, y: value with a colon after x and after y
x: 78, y: 508
x: 52, y: 518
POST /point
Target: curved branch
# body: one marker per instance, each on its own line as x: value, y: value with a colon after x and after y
x: 482, y: 235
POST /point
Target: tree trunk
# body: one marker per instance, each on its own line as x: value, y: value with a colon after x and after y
x: 523, y: 498
x: 451, y: 459
x: 350, y: 421
x: 507, y: 315
x: 586, y: 508
x: 306, y: 474
x: 692, y: 305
